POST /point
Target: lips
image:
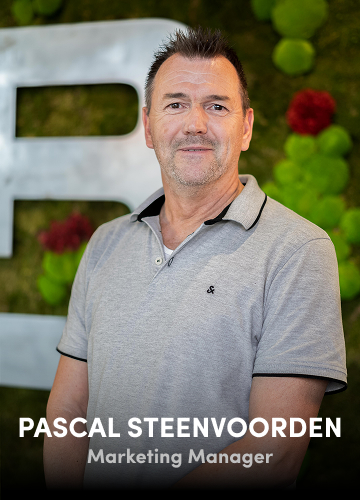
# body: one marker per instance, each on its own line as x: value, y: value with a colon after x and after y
x: 195, y: 149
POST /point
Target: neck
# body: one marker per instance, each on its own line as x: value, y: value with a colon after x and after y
x: 185, y: 210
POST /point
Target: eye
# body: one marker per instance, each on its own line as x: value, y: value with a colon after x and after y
x: 219, y: 107
x: 174, y: 107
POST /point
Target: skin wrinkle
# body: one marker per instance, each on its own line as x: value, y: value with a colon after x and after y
x: 181, y: 95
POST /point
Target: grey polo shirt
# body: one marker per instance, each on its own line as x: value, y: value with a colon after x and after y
x: 253, y: 292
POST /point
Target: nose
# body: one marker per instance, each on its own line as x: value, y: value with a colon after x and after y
x: 195, y: 121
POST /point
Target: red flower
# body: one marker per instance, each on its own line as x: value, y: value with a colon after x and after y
x: 66, y: 235
x: 310, y: 111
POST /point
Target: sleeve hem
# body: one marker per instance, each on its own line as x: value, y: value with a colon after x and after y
x: 70, y: 356
x: 330, y: 379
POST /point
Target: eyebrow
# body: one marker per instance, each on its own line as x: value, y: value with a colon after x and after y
x: 181, y: 95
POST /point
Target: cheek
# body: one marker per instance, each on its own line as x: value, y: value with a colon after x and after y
x: 161, y: 133
x: 232, y: 144
x: 166, y: 131
x: 171, y: 125
x: 236, y: 137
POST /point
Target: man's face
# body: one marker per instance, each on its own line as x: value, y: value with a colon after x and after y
x: 196, y: 124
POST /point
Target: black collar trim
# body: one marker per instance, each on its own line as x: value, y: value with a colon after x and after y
x: 218, y: 218
x: 153, y: 209
x: 259, y: 214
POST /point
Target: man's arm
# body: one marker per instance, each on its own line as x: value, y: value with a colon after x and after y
x: 270, y: 397
x: 65, y: 457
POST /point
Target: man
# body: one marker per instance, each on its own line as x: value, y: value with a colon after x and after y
x: 210, y: 301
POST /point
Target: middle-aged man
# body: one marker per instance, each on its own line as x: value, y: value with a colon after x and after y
x: 210, y: 302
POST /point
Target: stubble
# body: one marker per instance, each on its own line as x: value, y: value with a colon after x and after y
x: 195, y: 172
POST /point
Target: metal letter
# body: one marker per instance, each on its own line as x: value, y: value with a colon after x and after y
x: 90, y: 168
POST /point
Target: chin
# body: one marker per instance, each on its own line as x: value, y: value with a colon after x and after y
x: 193, y: 178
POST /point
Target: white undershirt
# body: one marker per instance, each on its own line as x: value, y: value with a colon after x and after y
x: 168, y: 252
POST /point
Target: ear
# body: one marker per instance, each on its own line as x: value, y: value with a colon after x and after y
x: 146, y: 122
x: 248, y: 128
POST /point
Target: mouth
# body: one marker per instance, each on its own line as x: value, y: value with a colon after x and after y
x: 195, y: 150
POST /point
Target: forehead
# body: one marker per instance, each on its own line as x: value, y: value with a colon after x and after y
x: 178, y: 73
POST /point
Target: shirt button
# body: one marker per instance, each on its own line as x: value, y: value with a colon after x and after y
x: 158, y: 261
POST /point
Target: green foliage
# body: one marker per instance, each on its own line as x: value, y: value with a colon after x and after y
x: 60, y: 271
x: 300, y: 148
x: 349, y: 278
x: 60, y: 267
x: 47, y: 7
x: 326, y: 174
x: 79, y: 110
x: 342, y: 248
x: 272, y: 190
x: 334, y: 141
x: 350, y: 224
x: 262, y: 9
x: 299, y: 18
x: 53, y: 292
x: 23, y: 11
x: 294, y: 56
x: 327, y: 212
x: 287, y: 172
x: 300, y: 198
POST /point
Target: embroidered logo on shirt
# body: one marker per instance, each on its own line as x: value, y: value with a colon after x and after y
x: 211, y: 290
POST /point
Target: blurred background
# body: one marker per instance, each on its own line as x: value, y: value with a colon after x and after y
x: 326, y: 60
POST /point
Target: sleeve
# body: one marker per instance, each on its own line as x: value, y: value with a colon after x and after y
x: 302, y: 332
x: 74, y: 339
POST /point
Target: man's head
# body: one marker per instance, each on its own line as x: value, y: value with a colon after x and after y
x: 199, y: 118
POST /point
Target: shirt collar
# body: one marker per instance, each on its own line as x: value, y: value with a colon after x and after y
x: 245, y: 209
x: 248, y: 206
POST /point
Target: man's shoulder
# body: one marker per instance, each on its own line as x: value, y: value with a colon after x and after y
x: 284, y: 232
x: 108, y: 234
x: 106, y: 229
x: 285, y: 223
